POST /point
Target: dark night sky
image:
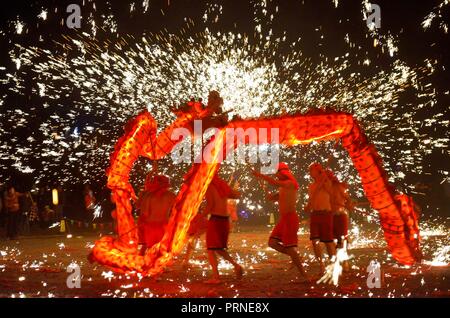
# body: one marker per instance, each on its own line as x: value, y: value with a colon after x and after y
x: 400, y: 17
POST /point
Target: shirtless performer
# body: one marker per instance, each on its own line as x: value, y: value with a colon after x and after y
x: 341, y: 204
x: 284, y: 237
x: 321, y: 220
x: 219, y: 226
x: 155, y: 203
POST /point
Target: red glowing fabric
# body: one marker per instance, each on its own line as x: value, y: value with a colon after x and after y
x: 153, y: 232
x: 286, y: 229
x: 398, y: 218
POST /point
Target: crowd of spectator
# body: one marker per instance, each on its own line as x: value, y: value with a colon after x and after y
x: 37, y: 210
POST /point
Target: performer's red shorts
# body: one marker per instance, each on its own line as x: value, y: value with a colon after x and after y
x: 321, y: 226
x: 198, y: 225
x: 340, y: 226
x: 217, y: 232
x: 286, y: 229
x: 153, y: 232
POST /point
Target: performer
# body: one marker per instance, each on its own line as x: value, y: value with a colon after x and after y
x: 321, y: 220
x: 341, y: 204
x: 12, y: 207
x: 219, y: 226
x: 154, y: 203
x: 196, y: 229
x: 214, y: 116
x: 89, y: 201
x: 232, y: 206
x: 284, y: 237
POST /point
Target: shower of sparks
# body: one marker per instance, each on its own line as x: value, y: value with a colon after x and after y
x: 19, y: 25
x: 334, y: 270
x: 43, y: 15
x: 158, y: 71
x: 97, y: 211
x: 436, y: 15
x: 111, y: 80
x: 441, y: 257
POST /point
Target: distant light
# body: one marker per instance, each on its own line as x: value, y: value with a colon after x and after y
x: 55, y: 198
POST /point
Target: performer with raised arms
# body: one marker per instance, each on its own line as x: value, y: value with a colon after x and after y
x: 284, y: 237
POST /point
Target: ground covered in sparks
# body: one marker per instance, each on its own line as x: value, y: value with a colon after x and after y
x: 35, y: 266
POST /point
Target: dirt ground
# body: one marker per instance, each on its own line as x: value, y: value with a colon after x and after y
x: 35, y: 266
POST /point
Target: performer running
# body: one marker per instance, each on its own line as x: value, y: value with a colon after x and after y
x: 321, y: 220
x: 155, y: 204
x: 284, y: 237
x: 197, y: 228
x: 219, y: 226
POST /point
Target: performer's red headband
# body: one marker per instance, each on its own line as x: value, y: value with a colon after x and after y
x: 283, y: 168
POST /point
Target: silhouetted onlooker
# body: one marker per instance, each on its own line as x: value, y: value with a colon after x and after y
x: 13, y: 212
x: 33, y: 218
x: 89, y: 202
x: 43, y: 203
